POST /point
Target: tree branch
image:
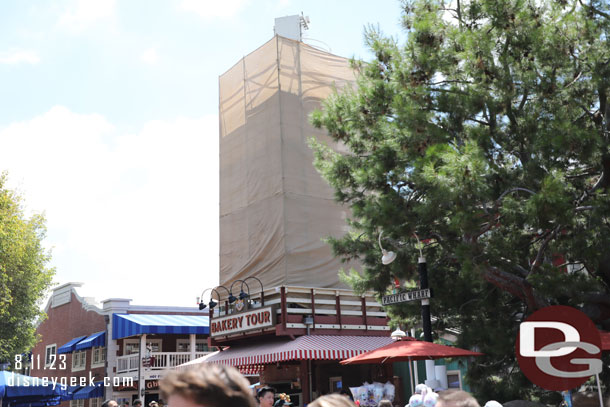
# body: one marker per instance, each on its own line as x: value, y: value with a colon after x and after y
x: 543, y: 247
x: 513, y: 190
x: 596, y: 11
x: 517, y: 286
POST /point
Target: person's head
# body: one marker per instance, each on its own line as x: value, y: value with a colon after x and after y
x: 208, y: 385
x: 137, y: 403
x: 346, y: 393
x: 265, y: 396
x: 384, y: 403
x: 110, y: 403
x: 456, y: 398
x: 153, y: 404
x: 332, y: 400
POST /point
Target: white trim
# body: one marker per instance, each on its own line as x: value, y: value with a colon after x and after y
x: 81, y: 357
x: 47, y: 362
x: 194, y: 310
x: 188, y: 343
x: 77, y: 403
x: 137, y: 342
x: 102, y: 356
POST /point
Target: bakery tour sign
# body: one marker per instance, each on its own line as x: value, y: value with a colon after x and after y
x: 244, y: 321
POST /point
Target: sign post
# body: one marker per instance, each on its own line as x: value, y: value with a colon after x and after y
x: 406, y: 297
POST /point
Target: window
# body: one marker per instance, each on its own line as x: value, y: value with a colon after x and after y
x: 79, y: 359
x: 98, y: 356
x: 97, y: 402
x: 132, y: 346
x: 184, y: 345
x: 50, y: 354
x: 77, y: 403
x: 335, y: 384
x: 454, y: 379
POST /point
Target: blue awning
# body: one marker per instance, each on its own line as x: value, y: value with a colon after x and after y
x: 97, y: 339
x: 17, y: 387
x: 69, y: 347
x: 89, y: 392
x: 124, y: 325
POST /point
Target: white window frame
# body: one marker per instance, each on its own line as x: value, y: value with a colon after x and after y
x: 188, y: 344
x: 459, y: 374
x: 47, y: 355
x: 98, y: 356
x: 77, y: 403
x: 95, y: 402
x: 81, y: 357
x: 137, y: 341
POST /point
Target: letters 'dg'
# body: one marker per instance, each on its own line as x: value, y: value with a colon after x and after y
x: 559, y: 348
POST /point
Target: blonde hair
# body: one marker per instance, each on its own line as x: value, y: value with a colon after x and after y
x: 210, y: 385
x: 332, y: 400
x: 456, y: 398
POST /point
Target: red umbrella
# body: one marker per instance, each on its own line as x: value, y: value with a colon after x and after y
x: 408, y: 350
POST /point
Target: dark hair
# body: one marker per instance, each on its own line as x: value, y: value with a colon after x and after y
x: 261, y: 392
x: 136, y: 402
x: 384, y: 403
x: 209, y: 385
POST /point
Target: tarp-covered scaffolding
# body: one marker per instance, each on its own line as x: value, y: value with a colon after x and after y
x: 275, y: 208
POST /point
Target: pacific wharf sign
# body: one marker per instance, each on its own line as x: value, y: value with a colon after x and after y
x: 405, y: 297
x: 242, y: 322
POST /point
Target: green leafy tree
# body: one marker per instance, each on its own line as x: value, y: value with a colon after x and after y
x: 24, y: 274
x: 487, y: 135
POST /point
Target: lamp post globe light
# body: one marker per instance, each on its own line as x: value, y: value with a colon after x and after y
x: 398, y: 334
x: 388, y: 257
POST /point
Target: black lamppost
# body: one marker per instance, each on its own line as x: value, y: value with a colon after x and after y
x: 422, y: 268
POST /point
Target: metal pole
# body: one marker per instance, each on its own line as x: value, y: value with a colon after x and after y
x: 425, y: 303
x: 599, y: 391
x: 426, y: 321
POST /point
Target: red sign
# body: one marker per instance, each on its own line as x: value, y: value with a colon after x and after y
x: 559, y: 348
x: 245, y: 321
x: 152, y: 384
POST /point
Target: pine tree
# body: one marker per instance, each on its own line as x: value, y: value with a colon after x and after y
x: 487, y: 135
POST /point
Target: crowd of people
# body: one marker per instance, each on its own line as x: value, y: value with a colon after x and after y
x: 223, y: 386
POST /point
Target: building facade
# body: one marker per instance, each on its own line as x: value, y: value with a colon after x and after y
x: 114, y: 349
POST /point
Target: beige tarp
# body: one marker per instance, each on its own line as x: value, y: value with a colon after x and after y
x: 274, y: 206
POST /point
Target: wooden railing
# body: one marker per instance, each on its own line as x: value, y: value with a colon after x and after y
x: 316, y: 310
x: 159, y: 360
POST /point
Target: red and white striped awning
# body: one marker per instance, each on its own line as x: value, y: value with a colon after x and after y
x: 314, y: 347
x: 252, y: 370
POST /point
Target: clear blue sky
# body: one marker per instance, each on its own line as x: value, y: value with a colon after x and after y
x: 109, y: 124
